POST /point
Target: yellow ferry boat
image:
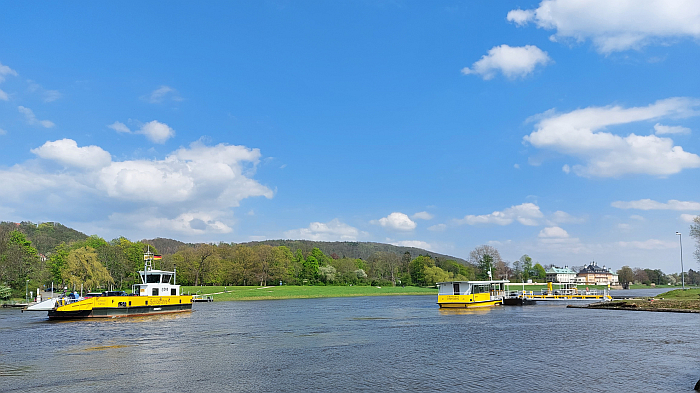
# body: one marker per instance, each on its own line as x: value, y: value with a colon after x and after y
x: 467, y: 294
x: 154, y: 295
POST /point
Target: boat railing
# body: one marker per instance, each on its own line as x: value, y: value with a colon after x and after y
x: 66, y: 300
x: 511, y: 294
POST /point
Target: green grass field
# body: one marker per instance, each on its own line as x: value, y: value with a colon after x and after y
x: 221, y: 293
x: 302, y: 292
x: 688, y: 294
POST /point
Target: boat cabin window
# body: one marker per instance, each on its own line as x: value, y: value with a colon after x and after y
x: 153, y: 279
x: 481, y: 288
x: 456, y: 288
x: 166, y: 279
x: 155, y: 292
x: 173, y: 292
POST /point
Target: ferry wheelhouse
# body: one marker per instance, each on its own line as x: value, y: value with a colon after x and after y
x: 467, y: 294
x: 154, y: 295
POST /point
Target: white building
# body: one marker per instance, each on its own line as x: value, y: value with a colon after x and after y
x: 557, y: 274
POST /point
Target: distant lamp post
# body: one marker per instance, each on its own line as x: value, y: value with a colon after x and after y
x: 26, y: 294
x: 680, y: 239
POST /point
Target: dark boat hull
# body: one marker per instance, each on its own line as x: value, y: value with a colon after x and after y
x: 517, y: 301
x: 114, y: 312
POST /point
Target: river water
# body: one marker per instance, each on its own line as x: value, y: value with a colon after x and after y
x: 393, y: 343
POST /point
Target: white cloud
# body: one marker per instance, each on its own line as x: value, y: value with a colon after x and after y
x: 155, y: 131
x: 556, y: 237
x: 526, y: 214
x: 615, y: 25
x: 553, y: 232
x: 67, y: 152
x: 330, y: 231
x: 648, y: 204
x: 520, y: 17
x: 560, y: 217
x: 5, y: 70
x: 579, y: 134
x: 637, y: 217
x: 396, y: 221
x: 651, y: 244
x: 414, y: 243
x: 120, y: 127
x: 163, y: 92
x: 437, y: 228
x: 422, y: 216
x: 31, y: 118
x: 51, y: 95
x: 661, y: 129
x: 513, y: 62
x: 624, y: 227
x: 498, y: 243
x: 3, y: 132
x: 191, y: 191
x: 690, y: 218
x: 48, y: 95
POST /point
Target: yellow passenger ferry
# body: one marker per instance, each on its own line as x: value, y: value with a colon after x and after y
x: 154, y: 295
x: 468, y: 294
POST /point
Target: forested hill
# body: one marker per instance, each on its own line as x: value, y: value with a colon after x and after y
x: 165, y: 246
x: 362, y: 250
x: 47, y: 235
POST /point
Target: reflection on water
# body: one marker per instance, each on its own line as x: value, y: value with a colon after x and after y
x: 397, y: 343
x: 466, y: 311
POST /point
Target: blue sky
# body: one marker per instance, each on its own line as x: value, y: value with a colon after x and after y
x: 566, y: 130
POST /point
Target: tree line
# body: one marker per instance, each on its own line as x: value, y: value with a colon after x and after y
x: 92, y: 263
x: 73, y: 259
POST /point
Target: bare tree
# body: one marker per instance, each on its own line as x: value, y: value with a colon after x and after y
x: 695, y: 234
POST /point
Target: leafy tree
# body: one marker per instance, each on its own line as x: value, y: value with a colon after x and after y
x: 417, y: 269
x: 625, y: 275
x: 656, y: 276
x: 434, y: 274
x: 18, y: 259
x: 83, y: 267
x: 310, y: 269
x: 327, y: 274
x: 484, y: 257
x: 57, y: 262
x: 526, y: 266
x: 640, y: 276
x: 199, y: 263
x: 459, y: 271
x: 484, y: 267
x: 320, y: 257
x: 5, y: 292
x: 538, y: 272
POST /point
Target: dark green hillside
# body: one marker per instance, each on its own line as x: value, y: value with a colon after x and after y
x: 362, y: 250
x: 46, y: 236
x: 165, y: 246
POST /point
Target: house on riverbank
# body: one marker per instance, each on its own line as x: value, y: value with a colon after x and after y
x: 558, y: 274
x: 596, y: 275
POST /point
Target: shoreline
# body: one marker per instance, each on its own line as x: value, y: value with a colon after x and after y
x: 236, y: 293
x: 652, y: 305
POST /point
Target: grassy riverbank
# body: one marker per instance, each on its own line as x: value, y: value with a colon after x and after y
x: 677, y: 300
x: 303, y: 292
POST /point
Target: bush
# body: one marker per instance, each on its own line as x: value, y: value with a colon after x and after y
x: 5, y: 292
